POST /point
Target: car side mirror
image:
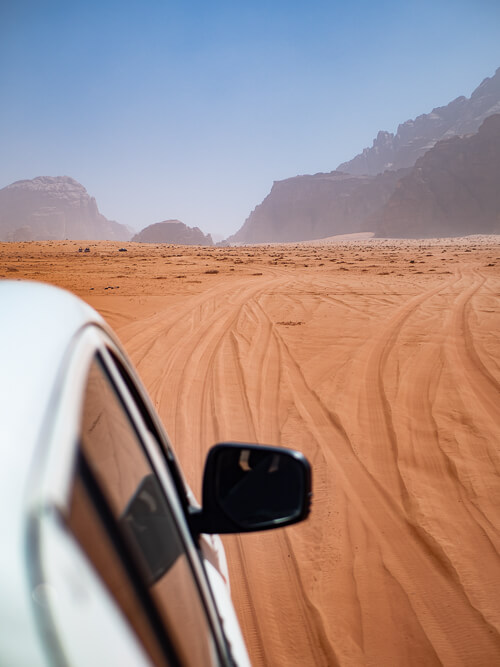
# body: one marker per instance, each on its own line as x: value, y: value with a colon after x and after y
x: 250, y: 487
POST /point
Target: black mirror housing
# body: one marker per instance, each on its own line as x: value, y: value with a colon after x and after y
x: 248, y: 487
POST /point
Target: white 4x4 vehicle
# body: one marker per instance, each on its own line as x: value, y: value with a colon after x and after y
x: 105, y: 559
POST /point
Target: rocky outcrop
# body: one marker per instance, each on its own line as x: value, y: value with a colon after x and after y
x: 414, y: 137
x: 313, y: 207
x: 173, y: 232
x: 51, y: 208
x: 351, y: 198
x: 453, y: 190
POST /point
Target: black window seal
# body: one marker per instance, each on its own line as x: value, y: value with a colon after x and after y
x: 219, y: 638
x: 102, y: 508
x: 150, y: 422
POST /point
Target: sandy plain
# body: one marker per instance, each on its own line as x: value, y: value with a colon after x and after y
x: 380, y: 360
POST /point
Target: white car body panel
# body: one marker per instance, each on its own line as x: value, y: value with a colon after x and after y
x: 46, y: 338
x: 28, y: 381
x: 90, y: 629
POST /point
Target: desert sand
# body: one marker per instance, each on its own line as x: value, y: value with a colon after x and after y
x: 380, y: 360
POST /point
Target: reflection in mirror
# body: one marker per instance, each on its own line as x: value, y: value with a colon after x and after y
x: 259, y: 487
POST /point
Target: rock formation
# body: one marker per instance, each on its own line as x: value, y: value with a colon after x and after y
x: 313, y: 207
x: 174, y: 232
x: 51, y: 208
x: 414, y: 137
x: 350, y: 199
x: 453, y: 190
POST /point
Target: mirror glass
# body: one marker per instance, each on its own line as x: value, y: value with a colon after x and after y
x: 259, y: 487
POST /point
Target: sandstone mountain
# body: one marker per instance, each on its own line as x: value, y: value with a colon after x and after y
x: 51, y: 208
x: 414, y: 137
x: 351, y: 199
x: 453, y: 190
x: 313, y: 207
x: 174, y: 232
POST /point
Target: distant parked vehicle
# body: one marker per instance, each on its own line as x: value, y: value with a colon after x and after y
x: 105, y: 557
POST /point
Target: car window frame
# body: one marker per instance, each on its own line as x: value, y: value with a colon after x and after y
x: 55, y: 464
x: 157, y: 461
x: 148, y: 413
x: 119, y: 549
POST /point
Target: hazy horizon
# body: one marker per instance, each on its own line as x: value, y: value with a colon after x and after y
x: 190, y: 112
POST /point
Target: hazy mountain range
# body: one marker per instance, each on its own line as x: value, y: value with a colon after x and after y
x: 173, y: 231
x: 314, y: 207
x: 54, y: 207
x: 415, y: 137
x: 453, y: 190
x: 358, y: 196
x: 58, y: 207
x: 438, y: 175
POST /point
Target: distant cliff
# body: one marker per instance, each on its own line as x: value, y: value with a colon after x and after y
x: 51, y: 208
x: 351, y: 198
x: 414, y: 137
x: 453, y: 190
x: 174, y: 232
x: 314, y: 207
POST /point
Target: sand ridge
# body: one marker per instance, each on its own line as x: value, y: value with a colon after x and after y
x: 379, y: 360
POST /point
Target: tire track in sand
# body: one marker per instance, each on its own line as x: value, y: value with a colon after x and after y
x: 321, y: 422
x: 369, y: 497
x: 376, y: 505
x: 425, y: 451
x: 485, y: 385
x: 201, y: 359
x: 305, y: 614
x: 375, y: 401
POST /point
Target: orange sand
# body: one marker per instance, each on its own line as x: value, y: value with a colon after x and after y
x: 380, y: 360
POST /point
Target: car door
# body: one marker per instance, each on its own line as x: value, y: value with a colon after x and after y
x: 124, y: 522
x: 131, y: 478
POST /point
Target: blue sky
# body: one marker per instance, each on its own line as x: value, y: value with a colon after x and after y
x: 191, y: 109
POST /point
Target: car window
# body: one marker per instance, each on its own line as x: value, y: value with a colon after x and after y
x: 139, y: 506
x: 93, y: 533
x: 151, y: 425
